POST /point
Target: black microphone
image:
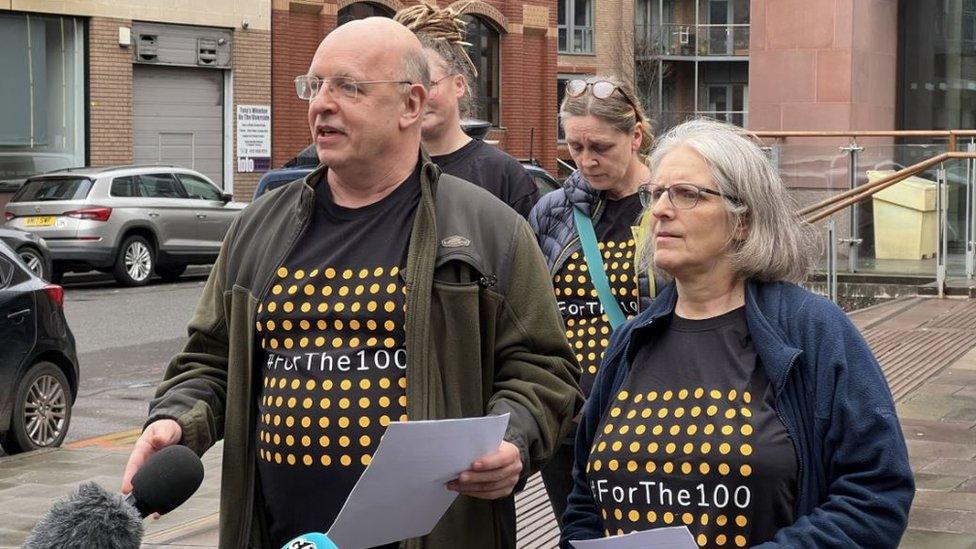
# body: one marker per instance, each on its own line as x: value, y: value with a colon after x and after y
x: 94, y: 517
x: 167, y: 480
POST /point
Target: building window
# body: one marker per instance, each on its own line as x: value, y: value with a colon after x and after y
x: 969, y: 27
x: 726, y: 102
x: 576, y: 26
x: 42, y: 113
x: 484, y: 52
x: 728, y: 28
x: 724, y: 92
x: 362, y: 10
x: 937, y: 75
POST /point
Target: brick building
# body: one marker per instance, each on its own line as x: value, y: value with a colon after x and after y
x: 514, y: 48
x: 594, y: 38
x: 98, y: 83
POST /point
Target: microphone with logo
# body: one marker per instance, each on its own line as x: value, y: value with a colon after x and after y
x: 94, y: 517
x: 313, y: 540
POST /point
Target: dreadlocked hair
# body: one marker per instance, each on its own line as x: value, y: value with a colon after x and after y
x: 442, y: 30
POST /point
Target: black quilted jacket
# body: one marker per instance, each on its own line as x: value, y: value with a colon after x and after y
x: 555, y: 229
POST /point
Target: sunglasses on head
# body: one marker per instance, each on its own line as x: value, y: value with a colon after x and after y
x: 601, y: 89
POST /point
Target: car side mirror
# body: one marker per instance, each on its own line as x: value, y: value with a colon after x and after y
x: 226, y: 197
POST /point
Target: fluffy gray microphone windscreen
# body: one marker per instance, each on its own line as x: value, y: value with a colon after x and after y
x: 88, y: 518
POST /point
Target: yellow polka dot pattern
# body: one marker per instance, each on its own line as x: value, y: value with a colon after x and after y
x: 333, y: 302
x: 320, y: 405
x: 587, y: 328
x: 696, y: 435
x: 317, y: 429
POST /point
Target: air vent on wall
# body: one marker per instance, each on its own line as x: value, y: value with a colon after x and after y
x: 146, y: 47
x: 206, y: 51
x: 180, y: 45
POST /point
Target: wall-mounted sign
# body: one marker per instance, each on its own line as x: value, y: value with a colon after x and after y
x: 253, y: 138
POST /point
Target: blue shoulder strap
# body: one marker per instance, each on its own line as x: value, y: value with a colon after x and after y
x: 584, y: 227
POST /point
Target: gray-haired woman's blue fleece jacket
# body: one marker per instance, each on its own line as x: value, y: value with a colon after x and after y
x: 855, y: 484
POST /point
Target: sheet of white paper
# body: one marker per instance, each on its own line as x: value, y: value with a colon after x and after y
x: 402, y: 493
x: 675, y: 537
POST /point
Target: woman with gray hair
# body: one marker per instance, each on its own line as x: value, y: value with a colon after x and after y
x: 739, y: 404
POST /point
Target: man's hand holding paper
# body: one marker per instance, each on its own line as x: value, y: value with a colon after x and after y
x: 491, y: 476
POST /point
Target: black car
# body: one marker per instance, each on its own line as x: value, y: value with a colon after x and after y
x: 31, y: 248
x: 38, y: 362
x: 544, y: 181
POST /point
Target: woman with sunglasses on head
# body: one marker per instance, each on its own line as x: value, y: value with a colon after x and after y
x: 441, y: 32
x: 587, y: 232
x: 738, y: 404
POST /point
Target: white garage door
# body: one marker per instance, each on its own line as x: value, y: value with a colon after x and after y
x: 178, y: 118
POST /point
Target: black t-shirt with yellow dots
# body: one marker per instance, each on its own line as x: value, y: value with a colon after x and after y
x: 332, y: 334
x: 587, y: 327
x: 692, y: 438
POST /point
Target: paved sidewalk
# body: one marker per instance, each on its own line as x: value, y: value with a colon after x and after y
x: 927, y: 348
x: 31, y: 483
x: 939, y: 422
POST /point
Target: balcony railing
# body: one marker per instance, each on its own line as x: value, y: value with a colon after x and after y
x: 691, y: 40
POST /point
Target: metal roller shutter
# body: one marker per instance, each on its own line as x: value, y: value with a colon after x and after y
x: 178, y: 118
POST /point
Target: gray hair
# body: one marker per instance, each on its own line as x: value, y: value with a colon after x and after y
x: 415, y: 68
x: 779, y: 245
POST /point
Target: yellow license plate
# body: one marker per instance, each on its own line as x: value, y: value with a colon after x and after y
x: 42, y: 221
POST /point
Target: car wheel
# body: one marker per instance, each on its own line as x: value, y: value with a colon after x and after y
x: 170, y: 273
x: 42, y: 410
x: 135, y: 262
x: 34, y: 261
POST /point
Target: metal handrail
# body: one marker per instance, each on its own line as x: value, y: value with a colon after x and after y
x: 828, y: 207
x: 840, y: 201
x: 856, y: 194
x: 952, y: 135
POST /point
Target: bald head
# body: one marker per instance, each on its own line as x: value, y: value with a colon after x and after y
x: 379, y: 30
x: 370, y: 127
x: 383, y: 44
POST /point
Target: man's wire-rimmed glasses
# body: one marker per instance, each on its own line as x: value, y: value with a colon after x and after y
x: 309, y: 86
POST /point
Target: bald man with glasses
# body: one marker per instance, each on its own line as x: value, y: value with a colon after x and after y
x: 377, y: 289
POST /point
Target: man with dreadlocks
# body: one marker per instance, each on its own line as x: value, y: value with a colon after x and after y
x: 441, y: 32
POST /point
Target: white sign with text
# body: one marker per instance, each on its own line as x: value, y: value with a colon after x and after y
x: 253, y: 138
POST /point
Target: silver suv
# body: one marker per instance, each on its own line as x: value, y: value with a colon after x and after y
x: 130, y: 220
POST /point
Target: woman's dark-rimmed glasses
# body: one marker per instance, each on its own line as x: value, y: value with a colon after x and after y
x: 683, y: 196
